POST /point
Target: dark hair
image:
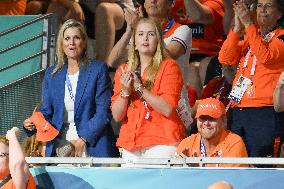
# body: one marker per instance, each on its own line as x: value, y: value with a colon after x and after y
x: 280, y: 7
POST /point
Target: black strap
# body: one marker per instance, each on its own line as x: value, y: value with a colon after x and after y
x: 5, y: 180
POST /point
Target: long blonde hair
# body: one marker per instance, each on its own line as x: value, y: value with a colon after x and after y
x: 60, y: 55
x: 160, y: 54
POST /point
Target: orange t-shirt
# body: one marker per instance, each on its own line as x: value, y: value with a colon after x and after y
x: 12, y: 7
x: 30, y: 185
x: 230, y: 145
x: 206, y: 38
x: 269, y: 63
x: 137, y: 132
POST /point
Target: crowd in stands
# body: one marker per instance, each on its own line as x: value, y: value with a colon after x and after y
x: 208, y: 70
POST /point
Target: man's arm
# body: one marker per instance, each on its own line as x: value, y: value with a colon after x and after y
x: 198, y: 12
x: 19, y: 169
x: 278, y: 96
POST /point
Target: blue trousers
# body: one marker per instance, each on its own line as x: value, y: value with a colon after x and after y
x: 258, y: 127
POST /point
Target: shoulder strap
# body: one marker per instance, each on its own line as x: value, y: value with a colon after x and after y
x: 5, y: 180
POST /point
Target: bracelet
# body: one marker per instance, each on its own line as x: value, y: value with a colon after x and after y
x: 123, y: 94
x: 139, y: 90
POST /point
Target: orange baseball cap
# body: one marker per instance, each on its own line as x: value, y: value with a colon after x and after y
x: 211, y: 107
x: 45, y: 131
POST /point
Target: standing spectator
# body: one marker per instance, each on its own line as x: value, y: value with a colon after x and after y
x: 13, y: 7
x: 260, y: 60
x: 212, y: 140
x: 76, y: 97
x: 14, y: 172
x: 146, y: 94
x: 278, y: 96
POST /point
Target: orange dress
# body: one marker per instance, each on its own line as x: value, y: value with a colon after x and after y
x: 13, y: 7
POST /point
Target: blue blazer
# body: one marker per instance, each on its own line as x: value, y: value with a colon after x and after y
x: 92, y: 107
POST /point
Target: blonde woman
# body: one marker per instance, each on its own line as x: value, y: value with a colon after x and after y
x: 76, y: 98
x: 146, y: 94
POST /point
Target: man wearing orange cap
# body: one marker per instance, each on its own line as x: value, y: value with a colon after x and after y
x: 14, y: 171
x: 212, y: 140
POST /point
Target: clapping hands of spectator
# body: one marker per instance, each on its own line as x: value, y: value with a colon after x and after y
x: 132, y: 16
x: 79, y: 146
x: 75, y: 12
x: 12, y: 133
x: 243, y: 13
x: 126, y: 79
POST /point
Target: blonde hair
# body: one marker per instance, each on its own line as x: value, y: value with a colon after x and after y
x: 60, y: 55
x: 4, y: 140
x: 160, y: 54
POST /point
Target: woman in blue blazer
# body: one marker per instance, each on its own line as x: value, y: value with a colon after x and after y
x: 76, y: 98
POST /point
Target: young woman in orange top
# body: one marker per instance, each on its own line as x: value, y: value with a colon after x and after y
x: 260, y: 61
x: 146, y: 94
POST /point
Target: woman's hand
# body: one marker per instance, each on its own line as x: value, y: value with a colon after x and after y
x: 28, y: 124
x: 131, y: 17
x: 126, y: 79
x: 136, y: 81
x: 243, y: 13
x: 80, y: 147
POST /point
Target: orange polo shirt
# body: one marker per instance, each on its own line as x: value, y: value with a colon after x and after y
x: 12, y: 7
x: 269, y: 64
x: 136, y: 132
x: 30, y: 185
x: 230, y: 145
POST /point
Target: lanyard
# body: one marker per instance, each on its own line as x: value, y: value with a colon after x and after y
x: 69, y: 86
x: 252, y: 71
x: 202, y: 148
x: 168, y: 26
x: 221, y: 89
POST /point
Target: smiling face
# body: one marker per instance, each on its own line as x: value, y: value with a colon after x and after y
x: 73, y: 43
x: 209, y: 127
x: 146, y: 39
x: 267, y: 13
x: 4, y: 163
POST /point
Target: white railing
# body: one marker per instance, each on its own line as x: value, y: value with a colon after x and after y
x: 151, y: 162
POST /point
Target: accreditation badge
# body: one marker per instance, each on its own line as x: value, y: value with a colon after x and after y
x: 239, y: 89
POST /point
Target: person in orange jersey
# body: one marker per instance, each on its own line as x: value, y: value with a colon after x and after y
x: 146, y: 95
x: 212, y: 139
x: 13, y: 7
x: 260, y: 60
x: 14, y: 170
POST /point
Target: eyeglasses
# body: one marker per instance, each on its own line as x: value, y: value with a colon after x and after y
x: 2, y: 155
x: 265, y: 6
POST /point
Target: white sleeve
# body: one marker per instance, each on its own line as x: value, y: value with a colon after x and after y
x: 183, y: 35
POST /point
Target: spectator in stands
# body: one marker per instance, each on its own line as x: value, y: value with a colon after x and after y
x: 14, y: 170
x: 146, y: 94
x: 278, y: 96
x: 12, y: 7
x: 37, y: 7
x: 76, y: 97
x: 220, y: 185
x: 204, y: 17
x: 260, y: 58
x: 178, y: 43
x: 212, y: 139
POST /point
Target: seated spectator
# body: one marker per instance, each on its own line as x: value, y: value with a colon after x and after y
x: 37, y: 7
x: 259, y: 56
x: 278, y: 95
x: 212, y: 139
x: 76, y: 98
x: 220, y: 185
x: 146, y: 94
x: 14, y: 172
x: 12, y: 7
